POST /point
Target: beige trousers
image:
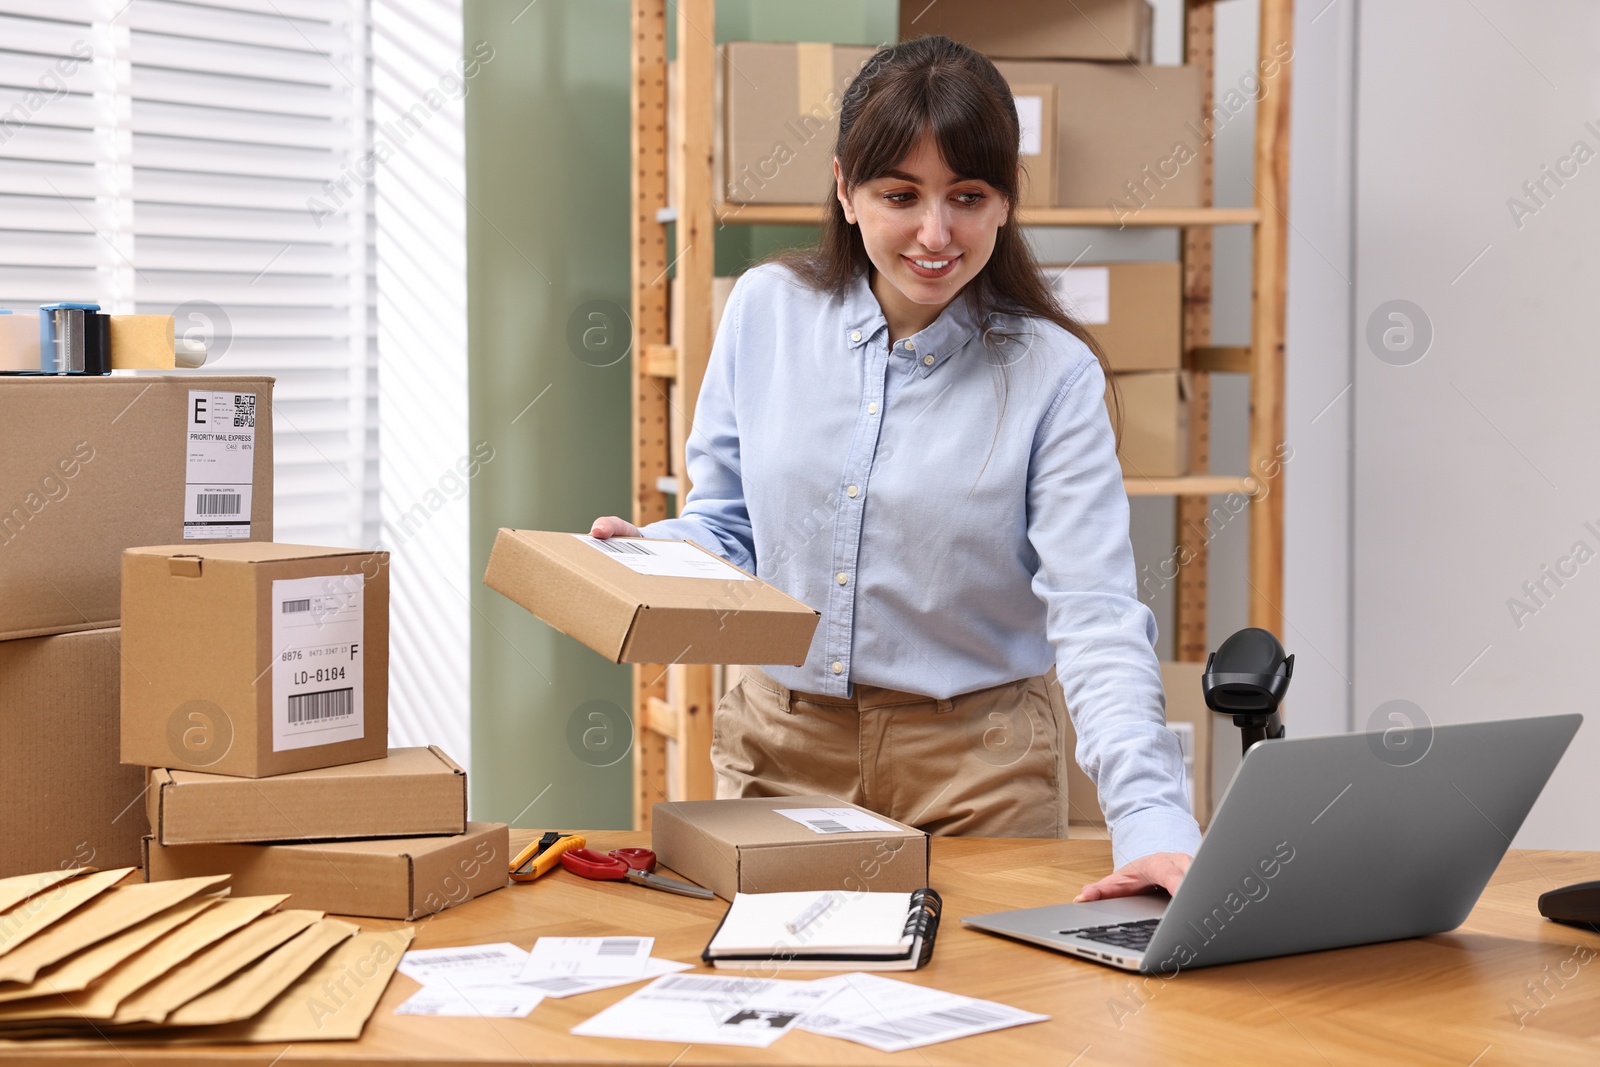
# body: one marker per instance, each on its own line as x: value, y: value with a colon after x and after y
x: 987, y: 764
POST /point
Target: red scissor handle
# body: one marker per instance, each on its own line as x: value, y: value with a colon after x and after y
x: 640, y: 859
x: 588, y: 863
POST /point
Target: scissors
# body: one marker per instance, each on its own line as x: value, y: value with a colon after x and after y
x: 626, y: 865
x: 541, y: 855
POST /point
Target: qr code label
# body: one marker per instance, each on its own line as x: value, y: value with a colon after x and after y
x: 244, y: 410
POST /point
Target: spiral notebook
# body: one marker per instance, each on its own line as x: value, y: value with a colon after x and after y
x: 829, y: 930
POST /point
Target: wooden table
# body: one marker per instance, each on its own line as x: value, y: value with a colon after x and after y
x: 1463, y: 999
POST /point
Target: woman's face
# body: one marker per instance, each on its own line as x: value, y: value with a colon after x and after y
x: 927, y: 230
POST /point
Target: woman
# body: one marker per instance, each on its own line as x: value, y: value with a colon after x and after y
x: 902, y: 428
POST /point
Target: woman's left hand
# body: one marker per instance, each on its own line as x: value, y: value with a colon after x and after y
x: 1159, y: 870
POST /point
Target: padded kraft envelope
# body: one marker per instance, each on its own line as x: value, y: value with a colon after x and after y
x: 107, y: 914
x: 37, y: 913
x: 249, y: 991
x: 20, y: 887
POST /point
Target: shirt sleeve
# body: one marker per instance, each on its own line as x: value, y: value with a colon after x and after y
x: 715, y: 515
x: 1103, y: 637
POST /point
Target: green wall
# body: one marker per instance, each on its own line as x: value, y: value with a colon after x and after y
x: 547, y: 235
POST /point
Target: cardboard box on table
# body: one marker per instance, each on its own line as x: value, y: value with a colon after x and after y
x: 94, y: 466
x: 1155, y: 423
x: 1188, y: 716
x: 388, y: 878
x: 409, y: 793
x: 1036, y: 29
x: 744, y: 846
x: 254, y: 659
x: 706, y: 611
x: 1135, y: 310
x: 1127, y: 137
x: 65, y: 799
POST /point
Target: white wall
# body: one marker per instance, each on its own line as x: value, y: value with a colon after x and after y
x: 1475, y: 465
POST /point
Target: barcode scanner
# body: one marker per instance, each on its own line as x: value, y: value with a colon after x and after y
x: 1246, y: 677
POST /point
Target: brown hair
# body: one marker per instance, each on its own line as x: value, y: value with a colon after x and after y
x: 935, y: 86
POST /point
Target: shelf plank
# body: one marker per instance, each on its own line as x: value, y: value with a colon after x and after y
x: 811, y: 215
x: 1191, y: 485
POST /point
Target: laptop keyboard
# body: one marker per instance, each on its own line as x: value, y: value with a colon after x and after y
x: 1134, y: 936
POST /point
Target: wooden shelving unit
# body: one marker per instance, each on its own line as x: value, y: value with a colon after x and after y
x: 671, y: 346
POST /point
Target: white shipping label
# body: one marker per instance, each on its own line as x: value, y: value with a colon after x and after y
x: 837, y: 821
x: 1030, y: 116
x: 219, y: 470
x: 318, y: 661
x: 665, y: 559
x: 1086, y: 292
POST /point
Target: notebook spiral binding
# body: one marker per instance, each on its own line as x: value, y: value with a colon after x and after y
x: 923, y: 921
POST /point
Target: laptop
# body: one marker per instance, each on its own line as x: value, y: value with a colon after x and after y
x: 1326, y: 842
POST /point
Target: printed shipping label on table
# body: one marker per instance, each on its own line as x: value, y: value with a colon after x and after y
x: 588, y: 957
x: 894, y: 1016
x: 709, y: 1010
x: 486, y: 1001
x: 219, y: 466
x: 317, y: 670
x: 465, y: 965
x: 559, y: 986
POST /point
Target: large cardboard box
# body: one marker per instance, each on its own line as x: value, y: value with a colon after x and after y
x: 1036, y: 29
x: 1135, y: 310
x: 782, y: 118
x: 745, y: 846
x: 1188, y: 717
x: 1128, y: 137
x: 642, y: 601
x: 1155, y: 423
x: 1037, y: 153
x: 409, y: 793
x: 389, y: 878
x: 65, y: 800
x: 96, y: 465
x: 254, y: 659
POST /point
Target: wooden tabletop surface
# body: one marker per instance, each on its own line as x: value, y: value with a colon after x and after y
x: 1507, y: 987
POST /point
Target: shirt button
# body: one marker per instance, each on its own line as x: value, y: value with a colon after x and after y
x: 872, y: 408
x: 911, y: 346
x: 927, y: 361
x: 852, y: 492
x: 855, y: 335
x: 838, y: 668
x: 842, y: 578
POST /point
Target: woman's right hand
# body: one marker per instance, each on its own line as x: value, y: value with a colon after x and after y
x: 611, y: 526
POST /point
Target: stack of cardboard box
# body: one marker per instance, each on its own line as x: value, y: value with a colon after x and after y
x: 94, y: 465
x: 255, y: 688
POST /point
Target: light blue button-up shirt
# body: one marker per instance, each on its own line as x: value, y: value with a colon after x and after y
x: 953, y: 508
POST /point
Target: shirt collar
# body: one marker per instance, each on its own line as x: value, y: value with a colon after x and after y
x: 925, y: 350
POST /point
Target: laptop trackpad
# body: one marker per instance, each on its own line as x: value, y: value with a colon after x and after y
x: 1115, y: 910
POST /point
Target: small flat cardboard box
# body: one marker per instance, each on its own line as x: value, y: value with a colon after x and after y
x: 744, y: 846
x: 97, y: 465
x: 1187, y: 711
x: 254, y: 659
x: 390, y: 878
x: 782, y: 118
x: 1128, y: 137
x: 1036, y: 29
x: 1155, y: 424
x: 599, y: 596
x: 409, y: 793
x: 1135, y: 310
x: 65, y: 800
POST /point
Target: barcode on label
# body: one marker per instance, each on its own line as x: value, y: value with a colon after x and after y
x: 827, y: 826
x: 216, y: 504
x: 462, y: 957
x: 708, y: 984
x: 624, y: 548
x: 320, y: 707
x: 929, y: 1025
x: 558, y: 984
x: 292, y: 607
x: 618, y: 946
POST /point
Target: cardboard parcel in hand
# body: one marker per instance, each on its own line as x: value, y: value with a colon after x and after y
x: 635, y: 600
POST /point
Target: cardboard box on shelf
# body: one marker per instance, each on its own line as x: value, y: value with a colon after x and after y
x: 747, y: 846
x: 65, y: 800
x: 782, y: 118
x: 388, y: 878
x: 645, y: 601
x: 409, y: 793
x: 97, y: 465
x: 254, y: 659
x: 1188, y: 717
x: 1135, y: 310
x: 1127, y: 137
x: 1036, y: 115
x: 1036, y: 29
x: 1155, y: 423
